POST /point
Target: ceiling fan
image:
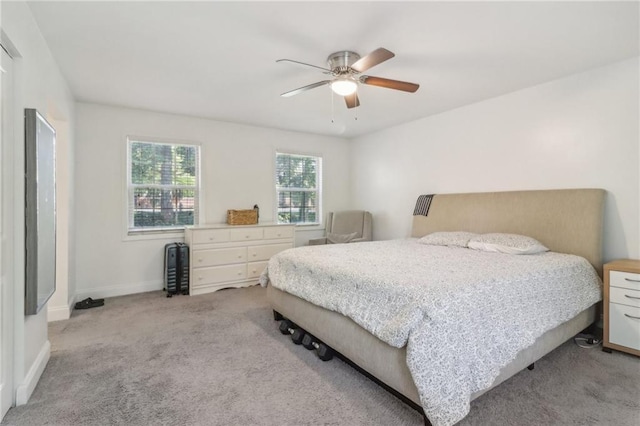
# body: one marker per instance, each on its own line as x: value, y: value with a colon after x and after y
x: 346, y: 69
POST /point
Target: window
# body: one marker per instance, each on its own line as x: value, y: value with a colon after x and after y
x: 163, y: 185
x: 298, y: 188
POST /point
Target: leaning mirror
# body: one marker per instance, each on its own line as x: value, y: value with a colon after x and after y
x: 40, y: 211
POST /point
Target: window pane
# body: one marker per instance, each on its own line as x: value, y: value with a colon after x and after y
x: 161, y: 164
x: 155, y: 207
x: 296, y: 171
x: 297, y: 207
x: 143, y: 163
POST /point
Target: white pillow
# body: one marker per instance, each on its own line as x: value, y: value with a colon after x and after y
x: 450, y: 239
x: 507, y: 243
x: 340, y: 238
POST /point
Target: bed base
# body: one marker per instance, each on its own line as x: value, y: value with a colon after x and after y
x: 277, y: 316
x: 385, y: 364
x: 383, y: 385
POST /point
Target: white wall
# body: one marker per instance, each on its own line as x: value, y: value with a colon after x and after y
x: 38, y: 84
x: 237, y: 172
x: 61, y: 303
x: 579, y: 131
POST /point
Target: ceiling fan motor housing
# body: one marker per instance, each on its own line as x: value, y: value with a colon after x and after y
x: 340, y: 62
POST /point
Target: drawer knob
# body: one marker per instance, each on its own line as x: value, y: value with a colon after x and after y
x: 278, y: 234
x: 254, y: 255
x: 632, y: 280
x: 210, y: 238
x: 239, y: 256
x: 200, y: 259
x: 200, y: 278
x: 632, y: 297
x: 631, y: 316
x: 246, y: 236
x: 239, y: 273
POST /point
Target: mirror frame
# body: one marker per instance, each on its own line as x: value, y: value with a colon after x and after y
x: 40, y: 211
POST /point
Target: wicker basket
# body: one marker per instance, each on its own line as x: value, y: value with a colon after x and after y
x: 242, y: 217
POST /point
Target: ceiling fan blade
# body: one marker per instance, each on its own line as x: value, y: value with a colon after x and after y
x: 389, y: 84
x: 374, y: 58
x: 302, y: 63
x: 304, y: 88
x: 352, y: 100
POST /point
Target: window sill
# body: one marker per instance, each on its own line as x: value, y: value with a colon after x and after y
x: 301, y: 225
x: 309, y: 227
x: 154, y: 234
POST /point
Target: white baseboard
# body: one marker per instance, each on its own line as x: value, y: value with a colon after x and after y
x: 58, y: 313
x: 4, y: 406
x: 24, y: 391
x: 118, y: 290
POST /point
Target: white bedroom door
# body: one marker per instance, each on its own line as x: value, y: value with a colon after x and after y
x: 6, y: 235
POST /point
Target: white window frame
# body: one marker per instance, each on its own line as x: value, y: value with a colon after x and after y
x: 169, y: 232
x: 317, y: 190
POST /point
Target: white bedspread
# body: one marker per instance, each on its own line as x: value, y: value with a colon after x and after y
x: 463, y: 314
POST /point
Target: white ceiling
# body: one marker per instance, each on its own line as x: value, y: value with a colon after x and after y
x: 217, y: 60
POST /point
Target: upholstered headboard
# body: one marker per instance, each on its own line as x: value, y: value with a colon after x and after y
x: 564, y: 220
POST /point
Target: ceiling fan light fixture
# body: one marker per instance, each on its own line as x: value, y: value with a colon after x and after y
x: 344, y: 86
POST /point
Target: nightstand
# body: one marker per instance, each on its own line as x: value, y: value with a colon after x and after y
x: 622, y: 306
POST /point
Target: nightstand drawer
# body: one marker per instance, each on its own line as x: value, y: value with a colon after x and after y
x: 624, y: 296
x: 624, y: 326
x: 217, y: 257
x: 624, y: 280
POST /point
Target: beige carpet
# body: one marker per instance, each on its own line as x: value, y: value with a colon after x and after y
x: 219, y: 359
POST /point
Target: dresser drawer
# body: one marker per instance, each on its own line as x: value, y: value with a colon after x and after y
x: 624, y: 326
x: 624, y: 296
x: 248, y: 234
x: 218, y: 274
x: 255, y: 269
x: 278, y: 232
x: 205, y: 236
x: 624, y: 280
x: 217, y: 257
x: 265, y: 252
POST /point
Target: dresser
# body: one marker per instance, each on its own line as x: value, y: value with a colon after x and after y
x: 622, y: 306
x: 224, y: 256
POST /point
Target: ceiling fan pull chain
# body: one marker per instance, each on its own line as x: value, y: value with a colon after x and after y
x: 332, y: 114
x: 356, y: 111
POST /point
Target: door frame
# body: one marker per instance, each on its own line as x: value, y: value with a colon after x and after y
x: 7, y: 386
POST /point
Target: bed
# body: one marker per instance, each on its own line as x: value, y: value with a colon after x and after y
x: 566, y: 221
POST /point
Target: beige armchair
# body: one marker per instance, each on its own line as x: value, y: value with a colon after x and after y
x: 349, y: 226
